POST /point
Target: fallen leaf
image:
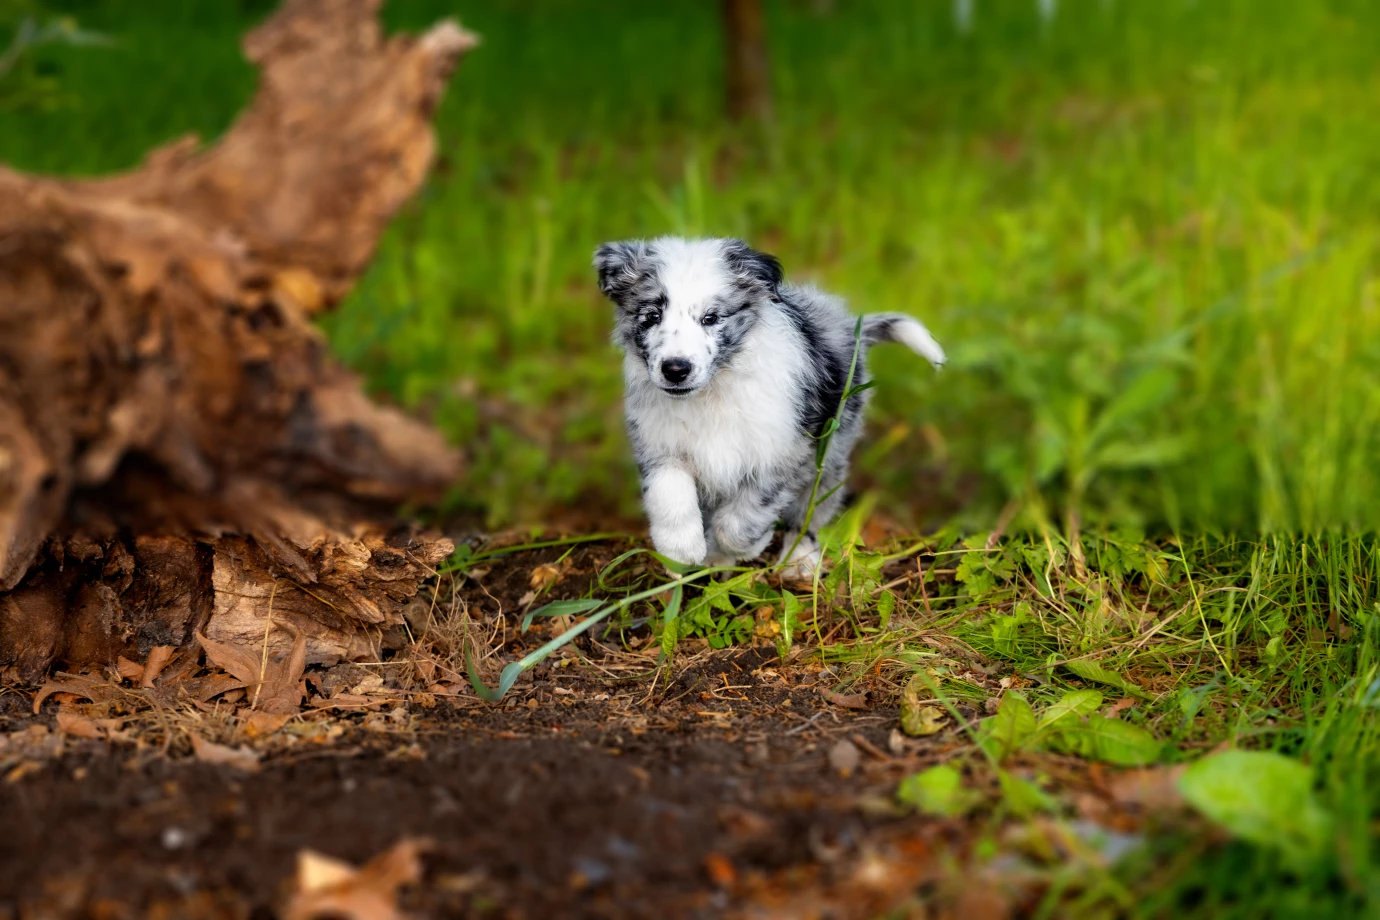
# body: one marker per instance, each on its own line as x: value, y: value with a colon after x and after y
x: 213, y: 685
x: 240, y: 758
x: 281, y: 692
x: 1116, y: 709
x: 129, y: 670
x: 844, y: 757
x: 927, y: 720
x: 76, y: 725
x: 919, y: 715
x: 158, y: 659
x: 83, y: 686
x: 544, y: 576
x: 982, y: 902
x: 317, y: 872
x: 232, y: 659
x: 264, y: 723
x: 371, y: 684
x: 846, y: 700
x: 720, y: 870
x: 1149, y: 789
x: 329, y: 887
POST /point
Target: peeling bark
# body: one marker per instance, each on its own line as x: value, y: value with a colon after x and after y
x: 177, y: 448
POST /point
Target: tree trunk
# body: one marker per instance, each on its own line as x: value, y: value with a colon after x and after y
x: 747, y: 67
x: 178, y: 451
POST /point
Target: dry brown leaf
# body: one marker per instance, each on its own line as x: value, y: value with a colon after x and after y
x: 76, y: 725
x: 1150, y: 789
x: 846, y: 700
x: 213, y: 685
x: 371, y: 684
x: 981, y: 902
x: 232, y: 659
x: 544, y: 576
x: 129, y: 670
x: 158, y: 659
x: 328, y: 887
x: 282, y: 691
x: 83, y: 686
x: 720, y: 870
x: 240, y: 758
x: 264, y: 723
x: 425, y: 665
x: 1116, y: 709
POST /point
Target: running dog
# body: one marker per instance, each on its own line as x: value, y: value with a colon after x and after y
x: 732, y: 377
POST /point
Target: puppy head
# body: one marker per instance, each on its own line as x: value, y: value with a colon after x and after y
x: 685, y: 306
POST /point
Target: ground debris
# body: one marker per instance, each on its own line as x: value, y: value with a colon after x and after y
x: 331, y: 888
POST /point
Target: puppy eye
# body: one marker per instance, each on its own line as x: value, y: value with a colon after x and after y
x: 651, y: 318
x: 709, y: 319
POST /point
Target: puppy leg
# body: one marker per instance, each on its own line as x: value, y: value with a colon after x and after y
x: 673, y: 510
x: 800, y: 552
x: 742, y: 526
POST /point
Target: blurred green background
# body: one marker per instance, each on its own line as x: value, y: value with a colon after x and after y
x: 1146, y: 232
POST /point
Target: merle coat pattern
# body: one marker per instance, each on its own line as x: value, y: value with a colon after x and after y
x: 731, y: 375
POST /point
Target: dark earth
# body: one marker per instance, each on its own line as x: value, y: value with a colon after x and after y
x: 728, y: 783
x: 682, y: 808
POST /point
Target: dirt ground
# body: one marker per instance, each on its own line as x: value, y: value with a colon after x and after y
x: 729, y: 784
x: 718, y: 798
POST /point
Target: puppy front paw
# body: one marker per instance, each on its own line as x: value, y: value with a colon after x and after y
x: 802, y: 564
x: 685, y: 546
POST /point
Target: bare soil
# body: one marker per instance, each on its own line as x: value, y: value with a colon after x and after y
x: 728, y: 784
x: 714, y: 798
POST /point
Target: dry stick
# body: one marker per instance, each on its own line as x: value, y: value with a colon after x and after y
x: 924, y: 595
x: 263, y: 655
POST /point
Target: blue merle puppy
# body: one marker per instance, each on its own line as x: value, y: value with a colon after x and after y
x: 731, y: 376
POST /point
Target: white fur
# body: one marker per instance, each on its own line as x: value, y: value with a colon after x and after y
x: 729, y: 450
x: 741, y: 426
x: 917, y: 338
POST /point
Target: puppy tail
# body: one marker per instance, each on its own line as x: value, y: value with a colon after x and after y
x: 909, y: 331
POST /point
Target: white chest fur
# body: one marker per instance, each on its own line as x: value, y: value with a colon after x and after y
x: 742, y: 426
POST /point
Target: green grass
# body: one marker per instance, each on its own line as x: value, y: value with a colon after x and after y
x: 1148, y: 233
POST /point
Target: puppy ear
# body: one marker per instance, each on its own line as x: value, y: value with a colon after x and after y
x: 620, y: 265
x: 755, y: 268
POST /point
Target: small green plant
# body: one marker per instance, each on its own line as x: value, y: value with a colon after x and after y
x: 1070, y: 725
x: 1262, y: 797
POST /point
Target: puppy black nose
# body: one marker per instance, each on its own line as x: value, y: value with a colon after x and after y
x: 675, y: 370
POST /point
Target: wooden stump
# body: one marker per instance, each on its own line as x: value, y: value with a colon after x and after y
x: 178, y: 451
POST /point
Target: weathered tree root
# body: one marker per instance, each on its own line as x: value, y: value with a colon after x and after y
x: 178, y: 451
